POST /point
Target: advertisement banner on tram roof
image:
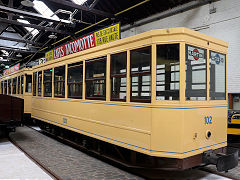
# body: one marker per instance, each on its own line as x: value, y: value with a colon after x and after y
x: 103, y: 36
x: 11, y: 69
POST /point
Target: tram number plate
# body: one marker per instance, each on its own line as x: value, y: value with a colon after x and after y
x: 208, y: 120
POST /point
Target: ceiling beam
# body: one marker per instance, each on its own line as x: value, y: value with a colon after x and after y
x: 83, y: 8
x: 2, y: 20
x: 30, y: 14
x: 18, y: 50
x: 93, y: 4
x: 20, y: 40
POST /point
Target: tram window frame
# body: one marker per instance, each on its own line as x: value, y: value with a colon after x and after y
x: 2, y: 87
x: 120, y: 75
x: 190, y: 93
x: 19, y: 84
x: 168, y: 72
x: 140, y: 75
x: 39, y: 87
x: 14, y: 85
x: 47, y: 83
x: 28, y: 87
x: 93, y: 83
x: 22, y: 83
x: 34, y: 84
x: 213, y: 94
x: 75, y: 85
x: 9, y: 86
x: 59, y: 85
x: 5, y: 87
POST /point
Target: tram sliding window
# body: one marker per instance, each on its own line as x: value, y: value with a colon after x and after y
x: 75, y: 80
x: 40, y: 83
x: 168, y: 72
x: 14, y: 90
x: 217, y: 76
x: 10, y: 86
x: 34, y: 83
x: 59, y: 81
x: 47, y: 83
x: 196, y: 74
x: 118, y: 76
x: 96, y: 78
x: 22, y: 84
x: 5, y: 87
x: 28, y: 87
x: 141, y: 75
x: 19, y: 88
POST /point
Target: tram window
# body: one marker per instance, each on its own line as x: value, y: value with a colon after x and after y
x: 2, y: 87
x: 10, y: 86
x: 59, y: 81
x: 5, y: 87
x: 34, y: 83
x: 168, y: 74
x: 40, y: 83
x: 18, y: 89
x: 47, y: 83
x: 217, y: 76
x: 14, y: 90
x: 22, y: 84
x: 28, y: 83
x: 75, y: 79
x: 118, y: 76
x: 196, y: 73
x: 96, y: 78
x: 141, y: 75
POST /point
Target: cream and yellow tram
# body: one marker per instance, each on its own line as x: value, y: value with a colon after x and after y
x: 19, y: 84
x: 159, y: 97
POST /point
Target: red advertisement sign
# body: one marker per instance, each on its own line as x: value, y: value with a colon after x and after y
x: 11, y: 69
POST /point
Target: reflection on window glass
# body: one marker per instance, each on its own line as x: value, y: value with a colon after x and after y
x: 19, y: 83
x: 168, y: 72
x: 34, y: 83
x: 59, y: 81
x: 22, y: 84
x: 14, y: 90
x: 5, y: 87
x: 217, y: 76
x: 196, y: 73
x: 96, y: 79
x: 40, y: 83
x: 47, y: 83
x: 118, y: 76
x: 1, y: 87
x: 10, y: 86
x: 28, y: 83
x: 75, y: 80
x: 141, y: 75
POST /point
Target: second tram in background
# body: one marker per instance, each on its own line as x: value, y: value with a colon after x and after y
x: 156, y: 99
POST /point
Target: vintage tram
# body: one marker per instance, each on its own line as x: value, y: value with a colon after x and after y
x: 157, y: 98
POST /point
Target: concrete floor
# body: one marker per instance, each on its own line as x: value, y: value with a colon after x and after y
x: 14, y: 164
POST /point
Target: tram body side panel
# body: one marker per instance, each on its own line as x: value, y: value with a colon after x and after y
x: 126, y: 126
x: 167, y: 127
x: 198, y: 122
x: 28, y: 103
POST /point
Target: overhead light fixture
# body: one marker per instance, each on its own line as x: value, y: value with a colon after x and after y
x: 7, y: 66
x: 52, y: 36
x: 79, y: 2
x: 19, y: 55
x: 27, y: 3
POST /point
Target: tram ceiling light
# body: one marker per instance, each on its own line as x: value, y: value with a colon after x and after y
x: 27, y: 3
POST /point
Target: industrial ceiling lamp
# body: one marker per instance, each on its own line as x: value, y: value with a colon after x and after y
x: 19, y: 55
x: 27, y: 3
x: 52, y: 36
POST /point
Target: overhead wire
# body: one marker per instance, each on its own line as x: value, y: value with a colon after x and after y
x: 99, y: 22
